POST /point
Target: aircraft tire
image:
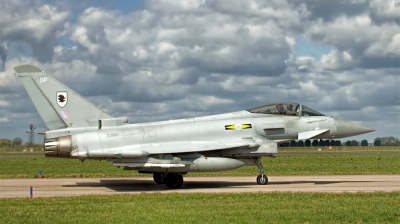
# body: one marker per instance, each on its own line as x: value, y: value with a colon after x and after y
x: 159, y: 178
x: 173, y: 180
x: 262, y: 179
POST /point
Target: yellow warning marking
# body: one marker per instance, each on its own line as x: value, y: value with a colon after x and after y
x: 246, y: 126
x: 229, y: 127
x: 237, y: 126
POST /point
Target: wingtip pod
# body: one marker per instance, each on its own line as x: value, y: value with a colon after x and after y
x: 27, y: 69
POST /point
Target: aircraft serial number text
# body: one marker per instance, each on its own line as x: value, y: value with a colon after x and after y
x: 112, y: 135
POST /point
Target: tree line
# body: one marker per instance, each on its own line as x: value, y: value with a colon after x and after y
x: 16, y: 142
x: 309, y: 143
x: 387, y: 141
x: 380, y: 141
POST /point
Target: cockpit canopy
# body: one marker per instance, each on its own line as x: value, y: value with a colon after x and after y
x: 285, y: 108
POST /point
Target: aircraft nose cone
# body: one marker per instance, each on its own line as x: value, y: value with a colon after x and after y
x: 347, y: 128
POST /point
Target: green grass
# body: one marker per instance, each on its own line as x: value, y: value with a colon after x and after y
x: 28, y: 167
x: 207, y: 208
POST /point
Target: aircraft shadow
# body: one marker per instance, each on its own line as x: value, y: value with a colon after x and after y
x: 130, y: 185
x: 151, y: 186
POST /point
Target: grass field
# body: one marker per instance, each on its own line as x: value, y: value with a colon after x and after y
x: 28, y: 167
x: 274, y: 207
x: 207, y: 208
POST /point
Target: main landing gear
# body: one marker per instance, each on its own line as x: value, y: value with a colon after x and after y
x: 159, y: 178
x: 172, y: 180
x: 262, y: 179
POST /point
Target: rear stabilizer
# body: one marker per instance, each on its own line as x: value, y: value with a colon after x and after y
x: 58, y: 106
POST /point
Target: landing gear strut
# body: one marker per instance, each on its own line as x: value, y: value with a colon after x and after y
x: 159, y: 178
x: 173, y: 180
x: 262, y: 179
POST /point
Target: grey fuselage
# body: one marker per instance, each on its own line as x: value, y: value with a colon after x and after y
x: 264, y: 128
x: 209, y: 128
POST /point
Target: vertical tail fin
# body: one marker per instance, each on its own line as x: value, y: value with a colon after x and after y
x: 58, y: 106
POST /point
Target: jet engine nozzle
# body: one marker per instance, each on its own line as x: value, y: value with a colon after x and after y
x: 58, y: 147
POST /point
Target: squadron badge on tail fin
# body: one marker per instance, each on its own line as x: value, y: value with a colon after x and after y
x: 62, y: 99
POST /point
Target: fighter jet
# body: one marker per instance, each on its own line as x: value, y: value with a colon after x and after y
x: 79, y: 129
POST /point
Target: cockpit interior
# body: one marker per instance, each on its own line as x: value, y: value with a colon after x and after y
x: 285, y: 108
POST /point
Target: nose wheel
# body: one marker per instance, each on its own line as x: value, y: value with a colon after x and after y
x: 262, y: 179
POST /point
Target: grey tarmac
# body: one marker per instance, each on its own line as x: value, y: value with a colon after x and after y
x: 108, y: 186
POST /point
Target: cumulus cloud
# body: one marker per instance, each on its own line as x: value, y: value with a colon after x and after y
x: 385, y: 11
x: 38, y: 25
x: 358, y: 40
x: 330, y: 10
x: 207, y: 40
x: 168, y: 60
x: 3, y: 55
x: 3, y: 119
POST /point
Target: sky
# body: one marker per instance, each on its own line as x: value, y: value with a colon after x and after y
x: 161, y: 60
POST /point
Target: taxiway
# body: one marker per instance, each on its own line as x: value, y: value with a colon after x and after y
x: 107, y: 186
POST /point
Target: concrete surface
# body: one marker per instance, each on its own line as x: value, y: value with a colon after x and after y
x: 106, y: 186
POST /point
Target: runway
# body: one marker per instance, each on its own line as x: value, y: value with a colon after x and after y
x: 107, y: 186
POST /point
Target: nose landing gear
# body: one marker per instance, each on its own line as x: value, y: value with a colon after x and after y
x: 262, y: 179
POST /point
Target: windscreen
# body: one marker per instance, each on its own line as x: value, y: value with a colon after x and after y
x: 310, y: 112
x: 285, y: 108
x: 277, y: 108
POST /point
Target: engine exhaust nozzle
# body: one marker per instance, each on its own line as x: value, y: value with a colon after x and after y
x: 60, y: 147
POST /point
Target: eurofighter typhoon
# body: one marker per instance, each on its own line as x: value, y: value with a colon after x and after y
x: 79, y: 129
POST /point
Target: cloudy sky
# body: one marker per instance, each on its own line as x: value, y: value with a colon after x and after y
x: 160, y: 60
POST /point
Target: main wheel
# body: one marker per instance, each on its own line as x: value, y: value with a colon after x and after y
x: 173, y: 180
x: 159, y: 178
x: 262, y: 179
